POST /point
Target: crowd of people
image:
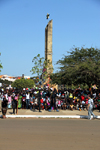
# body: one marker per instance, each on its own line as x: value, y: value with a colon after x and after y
x: 49, y: 99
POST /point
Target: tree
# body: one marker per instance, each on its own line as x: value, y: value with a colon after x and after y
x: 81, y: 66
x: 42, y: 68
x: 23, y: 83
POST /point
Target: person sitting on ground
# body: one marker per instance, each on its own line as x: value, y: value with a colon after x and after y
x: 64, y: 104
x: 71, y: 106
x: 80, y: 106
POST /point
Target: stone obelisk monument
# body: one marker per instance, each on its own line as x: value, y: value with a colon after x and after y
x: 48, y: 43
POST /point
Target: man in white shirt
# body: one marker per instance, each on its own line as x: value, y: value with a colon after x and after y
x: 27, y: 99
x: 90, y: 108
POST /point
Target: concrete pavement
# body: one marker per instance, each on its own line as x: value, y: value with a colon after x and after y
x: 23, y: 113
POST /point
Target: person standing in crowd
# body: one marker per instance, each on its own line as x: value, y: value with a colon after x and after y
x: 23, y: 100
x: 20, y: 100
x: 27, y: 99
x: 99, y: 101
x: 6, y: 95
x: 90, y: 108
x: 15, y: 103
x: 34, y: 101
x: 9, y: 100
x: 44, y: 98
x: 53, y: 99
x: 4, y: 106
x: 31, y: 100
x: 39, y: 100
x: 1, y: 99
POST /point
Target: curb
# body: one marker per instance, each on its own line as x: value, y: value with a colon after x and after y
x: 49, y: 116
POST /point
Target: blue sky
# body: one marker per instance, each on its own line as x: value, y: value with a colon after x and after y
x: 22, y: 30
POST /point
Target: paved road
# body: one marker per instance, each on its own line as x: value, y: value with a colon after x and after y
x: 49, y: 134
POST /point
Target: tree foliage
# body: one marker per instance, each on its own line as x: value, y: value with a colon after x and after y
x: 80, y: 66
x: 23, y: 83
x: 41, y: 67
x: 38, y: 65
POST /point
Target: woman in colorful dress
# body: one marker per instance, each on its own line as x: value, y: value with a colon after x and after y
x: 20, y: 100
x: 9, y: 101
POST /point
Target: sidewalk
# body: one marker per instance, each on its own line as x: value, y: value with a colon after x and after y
x: 23, y: 113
